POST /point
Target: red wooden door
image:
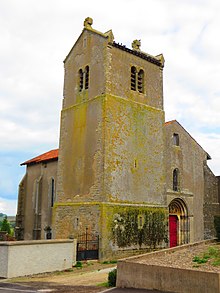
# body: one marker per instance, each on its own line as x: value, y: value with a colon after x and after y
x: 173, y: 230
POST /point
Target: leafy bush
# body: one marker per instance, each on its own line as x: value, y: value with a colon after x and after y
x: 199, y: 260
x: 112, y: 276
x: 78, y: 264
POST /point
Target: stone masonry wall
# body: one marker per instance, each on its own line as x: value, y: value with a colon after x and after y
x: 188, y: 157
x: 211, y: 204
x: 134, y: 152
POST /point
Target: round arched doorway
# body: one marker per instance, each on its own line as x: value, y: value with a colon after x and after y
x: 178, y: 222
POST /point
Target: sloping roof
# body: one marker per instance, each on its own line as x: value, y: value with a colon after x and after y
x: 170, y: 122
x: 175, y: 121
x: 140, y: 54
x: 157, y: 60
x: 48, y: 156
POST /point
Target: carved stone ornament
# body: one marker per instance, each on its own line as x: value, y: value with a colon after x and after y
x: 136, y: 45
x: 88, y: 22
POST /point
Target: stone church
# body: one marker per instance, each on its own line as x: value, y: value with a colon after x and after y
x: 122, y: 172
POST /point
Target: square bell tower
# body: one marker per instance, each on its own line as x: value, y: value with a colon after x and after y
x: 111, y: 154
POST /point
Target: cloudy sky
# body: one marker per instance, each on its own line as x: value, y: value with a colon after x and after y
x: 36, y: 36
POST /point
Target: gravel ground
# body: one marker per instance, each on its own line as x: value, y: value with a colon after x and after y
x: 184, y: 258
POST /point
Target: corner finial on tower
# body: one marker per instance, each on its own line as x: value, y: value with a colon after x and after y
x: 136, y: 45
x: 110, y: 36
x: 88, y: 22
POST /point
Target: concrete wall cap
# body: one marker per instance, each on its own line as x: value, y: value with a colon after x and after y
x: 37, y: 242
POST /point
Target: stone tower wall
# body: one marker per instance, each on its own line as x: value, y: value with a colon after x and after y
x: 211, y: 202
x: 118, y: 78
x: 111, y: 141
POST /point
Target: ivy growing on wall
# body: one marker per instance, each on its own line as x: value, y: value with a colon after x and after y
x: 142, y: 226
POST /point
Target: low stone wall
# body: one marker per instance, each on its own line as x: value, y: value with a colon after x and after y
x: 132, y: 274
x: 20, y: 258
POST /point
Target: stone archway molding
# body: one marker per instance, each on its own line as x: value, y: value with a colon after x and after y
x: 178, y: 208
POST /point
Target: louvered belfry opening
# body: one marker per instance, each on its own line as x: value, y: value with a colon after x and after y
x: 86, y: 77
x: 80, y: 80
x: 133, y: 78
x: 137, y: 80
x: 141, y: 81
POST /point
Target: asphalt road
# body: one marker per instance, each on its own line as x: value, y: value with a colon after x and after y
x: 19, y: 288
x: 8, y: 287
x: 119, y: 290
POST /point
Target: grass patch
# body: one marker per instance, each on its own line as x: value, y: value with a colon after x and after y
x: 105, y: 284
x: 216, y: 263
x: 89, y: 263
x: 107, y: 262
x: 213, y: 254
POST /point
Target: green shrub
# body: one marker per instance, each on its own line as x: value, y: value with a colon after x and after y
x: 78, y: 264
x: 112, y: 276
x: 199, y: 260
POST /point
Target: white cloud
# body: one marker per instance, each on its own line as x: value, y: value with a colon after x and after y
x: 37, y: 35
x: 8, y: 207
x: 210, y: 143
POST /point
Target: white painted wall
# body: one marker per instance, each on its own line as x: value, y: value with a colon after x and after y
x: 20, y: 258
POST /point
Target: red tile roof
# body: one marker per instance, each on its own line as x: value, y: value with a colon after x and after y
x: 48, y: 156
x: 170, y: 122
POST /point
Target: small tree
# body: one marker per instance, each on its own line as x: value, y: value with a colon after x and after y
x: 5, y: 225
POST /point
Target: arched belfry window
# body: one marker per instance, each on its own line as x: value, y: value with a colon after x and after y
x: 84, y: 78
x: 133, y: 78
x: 141, y: 81
x: 176, y: 179
x: 176, y: 140
x: 137, y: 79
